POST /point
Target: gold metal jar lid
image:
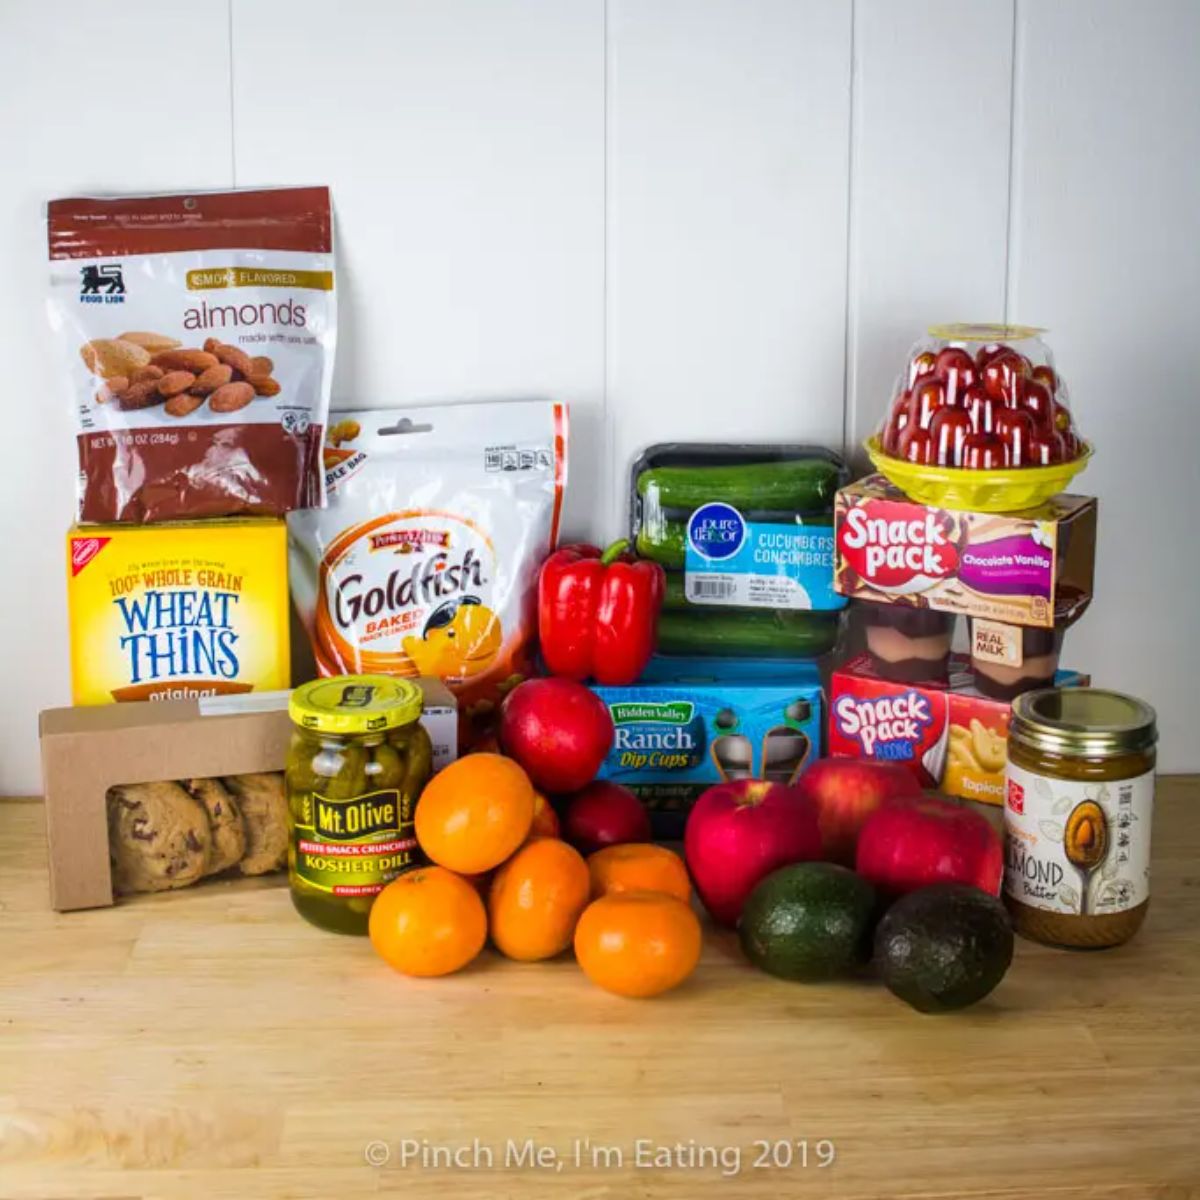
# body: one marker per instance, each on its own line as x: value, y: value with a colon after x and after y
x: 1088, y: 722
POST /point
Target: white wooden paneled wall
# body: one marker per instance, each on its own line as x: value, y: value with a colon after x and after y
x: 719, y: 219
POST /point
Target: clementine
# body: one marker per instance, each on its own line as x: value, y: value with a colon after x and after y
x: 637, y: 943
x: 639, y: 867
x: 536, y: 898
x: 428, y: 922
x: 473, y: 814
x: 545, y: 819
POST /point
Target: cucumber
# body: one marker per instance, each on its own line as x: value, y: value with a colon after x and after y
x: 666, y: 541
x: 801, y: 484
x: 666, y: 545
x: 730, y: 633
x: 675, y: 593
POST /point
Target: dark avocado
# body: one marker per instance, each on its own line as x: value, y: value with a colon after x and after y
x: 944, y: 947
x: 810, y: 921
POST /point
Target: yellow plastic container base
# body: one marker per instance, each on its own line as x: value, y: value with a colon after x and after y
x: 1008, y: 490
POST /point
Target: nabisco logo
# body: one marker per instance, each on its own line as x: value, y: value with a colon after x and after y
x: 83, y: 550
x: 896, y: 546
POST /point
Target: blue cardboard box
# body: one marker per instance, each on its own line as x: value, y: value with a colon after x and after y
x: 690, y: 723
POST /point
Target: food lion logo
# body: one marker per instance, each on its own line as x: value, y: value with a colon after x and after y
x: 101, y: 284
x: 896, y: 547
x: 410, y: 539
x: 889, y: 727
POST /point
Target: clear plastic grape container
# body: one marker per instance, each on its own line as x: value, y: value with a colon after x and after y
x: 980, y: 419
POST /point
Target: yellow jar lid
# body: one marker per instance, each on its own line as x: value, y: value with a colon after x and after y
x: 355, y: 703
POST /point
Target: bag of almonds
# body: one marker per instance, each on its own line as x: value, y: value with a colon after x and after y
x: 197, y: 335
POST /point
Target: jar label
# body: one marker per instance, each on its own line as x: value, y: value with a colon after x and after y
x: 356, y: 846
x: 1077, y: 847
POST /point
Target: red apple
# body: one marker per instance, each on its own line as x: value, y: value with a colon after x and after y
x: 1006, y: 420
x: 558, y: 730
x: 738, y: 833
x: 604, y: 814
x: 1036, y: 400
x: 1014, y: 427
x: 910, y: 843
x: 914, y: 444
x: 1001, y: 373
x: 1046, y: 377
x: 982, y: 452
x: 956, y: 368
x: 982, y: 410
x: 929, y: 397
x: 1046, y: 448
x: 950, y: 429
x: 1062, y: 419
x: 922, y: 364
x: 898, y: 418
x: 846, y: 792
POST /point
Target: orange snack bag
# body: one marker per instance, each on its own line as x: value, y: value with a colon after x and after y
x: 425, y: 561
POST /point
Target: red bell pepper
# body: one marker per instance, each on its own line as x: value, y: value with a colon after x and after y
x: 598, y: 613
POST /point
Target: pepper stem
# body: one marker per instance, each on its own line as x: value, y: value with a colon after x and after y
x: 614, y: 551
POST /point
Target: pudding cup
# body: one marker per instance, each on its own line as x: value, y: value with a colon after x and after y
x: 908, y: 645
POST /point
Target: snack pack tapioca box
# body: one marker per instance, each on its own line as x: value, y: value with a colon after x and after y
x: 1030, y: 568
x: 949, y: 736
x: 178, y: 610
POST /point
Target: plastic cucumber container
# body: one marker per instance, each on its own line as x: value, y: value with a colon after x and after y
x: 745, y: 532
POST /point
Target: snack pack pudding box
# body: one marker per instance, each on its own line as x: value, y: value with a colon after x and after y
x: 949, y: 735
x: 1029, y: 568
x: 690, y: 723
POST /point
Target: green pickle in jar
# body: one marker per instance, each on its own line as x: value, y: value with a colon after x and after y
x: 358, y: 761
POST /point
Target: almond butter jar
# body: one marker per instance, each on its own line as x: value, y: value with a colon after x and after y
x: 1079, y: 802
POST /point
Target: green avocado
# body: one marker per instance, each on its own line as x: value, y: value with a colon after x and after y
x: 943, y: 947
x: 810, y: 921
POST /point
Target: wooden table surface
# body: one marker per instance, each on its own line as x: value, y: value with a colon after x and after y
x: 210, y: 1043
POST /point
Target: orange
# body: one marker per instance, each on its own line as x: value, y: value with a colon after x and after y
x: 536, y: 898
x: 473, y: 814
x: 637, y: 943
x: 639, y: 867
x: 428, y: 922
x: 545, y: 819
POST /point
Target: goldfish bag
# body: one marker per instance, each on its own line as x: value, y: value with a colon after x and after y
x: 425, y: 561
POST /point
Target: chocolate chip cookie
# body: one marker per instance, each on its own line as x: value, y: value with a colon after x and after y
x: 158, y: 837
x: 224, y: 819
x: 263, y: 802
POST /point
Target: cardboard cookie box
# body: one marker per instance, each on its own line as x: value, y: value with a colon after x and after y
x: 90, y: 753
x: 1032, y: 568
x: 950, y: 736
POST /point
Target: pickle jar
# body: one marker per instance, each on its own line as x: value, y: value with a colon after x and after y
x: 1078, y: 808
x: 359, y: 758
